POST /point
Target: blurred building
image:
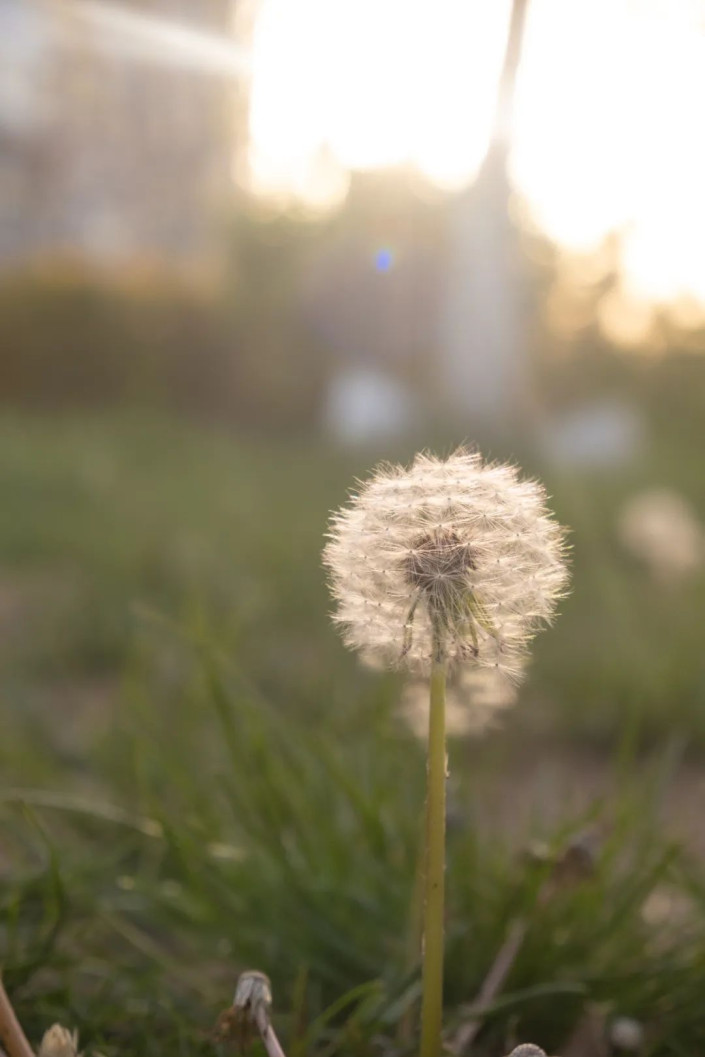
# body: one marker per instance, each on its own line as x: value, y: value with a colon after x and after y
x: 115, y: 128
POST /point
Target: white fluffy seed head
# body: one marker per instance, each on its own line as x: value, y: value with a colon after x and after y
x: 476, y: 699
x: 456, y: 554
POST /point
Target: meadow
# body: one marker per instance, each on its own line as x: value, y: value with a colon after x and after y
x: 198, y: 779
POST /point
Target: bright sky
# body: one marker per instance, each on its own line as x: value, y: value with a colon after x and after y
x: 363, y: 84
x: 607, y: 135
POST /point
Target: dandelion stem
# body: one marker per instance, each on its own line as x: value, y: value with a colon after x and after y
x: 432, y: 960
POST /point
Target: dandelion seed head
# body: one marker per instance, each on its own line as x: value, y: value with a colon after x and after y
x: 455, y: 548
x: 475, y: 701
x: 660, y: 529
x: 438, y: 562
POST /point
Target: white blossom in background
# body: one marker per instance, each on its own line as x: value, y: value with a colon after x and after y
x: 626, y: 1034
x: 457, y: 552
x: 476, y: 698
x: 660, y: 528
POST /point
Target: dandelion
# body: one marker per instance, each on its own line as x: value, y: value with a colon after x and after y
x: 452, y: 557
x: 445, y: 565
x: 660, y: 528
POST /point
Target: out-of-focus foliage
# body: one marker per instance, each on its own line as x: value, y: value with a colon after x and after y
x: 252, y: 341
x: 216, y: 832
x: 209, y: 781
x: 149, y: 336
x: 72, y: 336
x: 279, y: 366
x: 108, y: 515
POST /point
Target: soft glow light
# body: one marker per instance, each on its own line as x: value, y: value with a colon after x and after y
x: 607, y: 140
x: 117, y: 29
x: 606, y: 137
x: 606, y: 133
x: 372, y: 83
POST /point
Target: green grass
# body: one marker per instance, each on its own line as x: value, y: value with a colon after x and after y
x: 198, y: 779
x: 107, y: 520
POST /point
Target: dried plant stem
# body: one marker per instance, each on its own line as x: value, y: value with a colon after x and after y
x: 11, y: 1034
x: 434, y: 882
x: 493, y: 983
x: 269, y: 1038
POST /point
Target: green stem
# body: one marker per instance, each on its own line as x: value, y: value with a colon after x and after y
x: 432, y: 959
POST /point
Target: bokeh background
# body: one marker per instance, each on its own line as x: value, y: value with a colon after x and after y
x: 247, y: 250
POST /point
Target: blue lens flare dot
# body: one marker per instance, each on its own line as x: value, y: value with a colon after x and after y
x: 384, y: 260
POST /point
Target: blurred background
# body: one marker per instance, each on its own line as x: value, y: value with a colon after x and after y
x: 248, y: 248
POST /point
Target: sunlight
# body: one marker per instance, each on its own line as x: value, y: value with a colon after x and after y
x: 604, y: 140
x: 605, y: 137
x: 118, y: 29
x: 365, y: 84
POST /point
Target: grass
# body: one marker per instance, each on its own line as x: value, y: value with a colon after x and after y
x: 197, y: 779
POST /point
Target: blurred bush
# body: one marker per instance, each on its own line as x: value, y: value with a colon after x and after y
x: 146, y: 335
x: 73, y: 336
